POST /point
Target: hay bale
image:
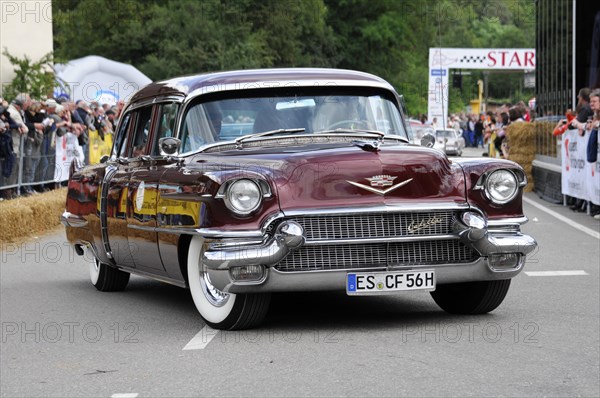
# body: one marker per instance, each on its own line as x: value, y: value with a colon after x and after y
x: 24, y: 218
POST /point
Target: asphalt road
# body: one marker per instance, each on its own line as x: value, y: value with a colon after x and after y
x: 61, y: 337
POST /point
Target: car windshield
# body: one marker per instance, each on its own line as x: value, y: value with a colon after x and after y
x: 233, y: 118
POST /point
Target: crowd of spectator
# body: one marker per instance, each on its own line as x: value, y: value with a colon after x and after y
x: 28, y: 131
x: 586, y: 119
x: 486, y: 130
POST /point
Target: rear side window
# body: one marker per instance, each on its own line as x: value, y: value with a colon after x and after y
x: 141, y: 132
x: 121, y: 140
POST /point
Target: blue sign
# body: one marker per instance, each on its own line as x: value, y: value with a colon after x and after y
x: 439, y: 72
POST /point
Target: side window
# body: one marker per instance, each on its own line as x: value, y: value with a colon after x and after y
x: 121, y: 139
x: 141, y: 132
x: 167, y: 117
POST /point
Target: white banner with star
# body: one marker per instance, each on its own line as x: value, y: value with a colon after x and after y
x: 482, y: 58
x: 441, y: 60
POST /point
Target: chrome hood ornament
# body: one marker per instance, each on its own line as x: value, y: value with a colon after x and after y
x: 381, y: 181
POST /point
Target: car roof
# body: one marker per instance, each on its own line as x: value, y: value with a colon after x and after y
x: 257, y: 78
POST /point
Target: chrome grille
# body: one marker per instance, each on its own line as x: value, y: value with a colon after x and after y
x: 352, y: 256
x: 376, y: 225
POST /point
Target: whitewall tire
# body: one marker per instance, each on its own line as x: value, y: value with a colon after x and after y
x: 221, y: 310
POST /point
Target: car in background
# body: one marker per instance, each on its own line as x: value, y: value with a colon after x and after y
x: 420, y: 131
x: 449, y: 141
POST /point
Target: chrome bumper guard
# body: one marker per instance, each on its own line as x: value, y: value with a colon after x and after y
x: 473, y: 231
x: 289, y: 235
x: 219, y: 257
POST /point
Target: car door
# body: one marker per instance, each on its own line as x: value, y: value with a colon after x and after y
x: 144, y: 189
x: 114, y: 195
x: 144, y: 175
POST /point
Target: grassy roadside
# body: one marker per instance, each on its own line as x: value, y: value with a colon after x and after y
x: 24, y: 218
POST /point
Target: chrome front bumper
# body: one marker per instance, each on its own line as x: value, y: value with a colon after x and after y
x: 220, y: 256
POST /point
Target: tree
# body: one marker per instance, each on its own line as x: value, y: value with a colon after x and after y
x: 34, y: 78
x: 389, y: 38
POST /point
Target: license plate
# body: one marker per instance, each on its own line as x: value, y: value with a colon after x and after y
x: 362, y: 283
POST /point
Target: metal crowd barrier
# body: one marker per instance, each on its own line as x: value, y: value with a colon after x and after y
x: 30, y: 168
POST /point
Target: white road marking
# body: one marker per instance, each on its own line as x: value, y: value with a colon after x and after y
x: 556, y: 273
x: 564, y: 219
x: 125, y: 395
x: 201, y: 339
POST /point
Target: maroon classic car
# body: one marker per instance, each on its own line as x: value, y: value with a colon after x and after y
x: 239, y: 184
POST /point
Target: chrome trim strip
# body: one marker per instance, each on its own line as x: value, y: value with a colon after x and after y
x: 400, y: 208
x: 103, y: 191
x: 379, y: 240
x: 507, y: 221
x: 205, y: 232
x: 220, y: 233
x: 150, y: 275
x: 72, y: 220
x: 188, y: 197
x: 233, y: 243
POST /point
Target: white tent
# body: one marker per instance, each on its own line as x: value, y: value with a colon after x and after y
x: 95, y: 78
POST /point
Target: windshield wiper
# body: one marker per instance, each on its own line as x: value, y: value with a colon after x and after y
x: 268, y: 133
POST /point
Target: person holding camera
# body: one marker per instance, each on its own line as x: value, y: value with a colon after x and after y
x: 33, y: 144
x: 584, y: 111
x: 100, y: 124
x: 7, y: 153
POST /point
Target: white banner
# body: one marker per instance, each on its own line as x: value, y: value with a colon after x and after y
x: 482, y: 58
x: 67, y: 149
x: 441, y: 60
x: 580, y: 178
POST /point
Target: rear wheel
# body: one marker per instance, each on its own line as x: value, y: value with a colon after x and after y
x: 471, y: 297
x: 222, y: 310
x: 106, y: 278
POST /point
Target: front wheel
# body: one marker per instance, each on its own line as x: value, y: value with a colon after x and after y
x: 106, y: 278
x: 222, y: 310
x: 471, y: 297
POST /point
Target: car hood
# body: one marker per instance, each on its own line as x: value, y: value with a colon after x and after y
x: 347, y: 176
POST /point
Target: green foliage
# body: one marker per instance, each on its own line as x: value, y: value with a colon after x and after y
x: 35, y: 78
x: 390, y: 38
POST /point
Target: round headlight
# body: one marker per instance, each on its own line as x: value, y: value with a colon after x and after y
x: 243, y: 196
x: 501, y: 186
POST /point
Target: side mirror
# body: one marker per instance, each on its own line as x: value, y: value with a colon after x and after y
x: 104, y: 159
x: 428, y: 140
x: 169, y: 146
